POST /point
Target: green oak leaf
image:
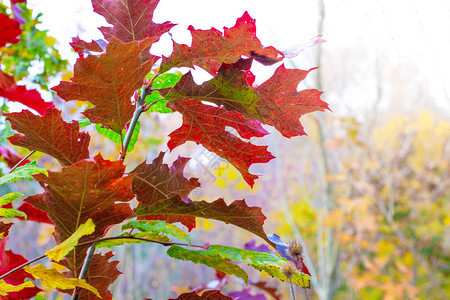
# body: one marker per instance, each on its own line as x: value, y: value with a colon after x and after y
x: 205, y: 258
x: 10, y: 212
x: 263, y: 261
x: 23, y: 172
x: 126, y: 240
x: 158, y: 227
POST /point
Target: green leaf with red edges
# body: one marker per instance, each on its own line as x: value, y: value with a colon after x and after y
x: 263, y: 261
x: 102, y: 273
x: 132, y: 20
x: 94, y: 189
x: 276, y: 102
x: 156, y: 181
x: 237, y: 213
x: 9, y: 30
x: 206, y: 295
x: 109, y: 81
x: 206, y: 125
x: 210, y: 48
x: 212, y: 261
x: 51, y: 135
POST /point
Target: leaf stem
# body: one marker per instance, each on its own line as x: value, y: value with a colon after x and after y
x: 93, y: 247
x: 22, y: 266
x: 21, y: 161
x: 141, y: 239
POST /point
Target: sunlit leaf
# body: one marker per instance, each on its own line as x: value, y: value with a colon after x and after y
x: 62, y: 249
x: 51, y: 278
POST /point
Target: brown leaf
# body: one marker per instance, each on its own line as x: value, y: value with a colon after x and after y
x: 210, y: 48
x: 109, y: 81
x: 237, y: 213
x: 51, y: 135
x: 87, y: 189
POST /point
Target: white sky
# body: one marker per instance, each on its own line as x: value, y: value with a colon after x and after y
x: 410, y: 32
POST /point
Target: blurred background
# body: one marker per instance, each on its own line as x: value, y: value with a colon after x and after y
x: 366, y: 192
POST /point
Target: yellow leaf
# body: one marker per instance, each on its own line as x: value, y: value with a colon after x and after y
x: 49, y: 41
x: 53, y: 279
x: 61, y: 250
x: 67, y: 76
x: 6, y: 288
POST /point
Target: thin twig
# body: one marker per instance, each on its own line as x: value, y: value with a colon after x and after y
x: 22, y: 266
x: 140, y: 239
x: 84, y: 270
x: 21, y: 161
x: 140, y: 103
x: 103, y: 240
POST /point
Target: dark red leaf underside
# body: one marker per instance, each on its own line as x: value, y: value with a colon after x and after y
x: 102, y: 273
x: 206, y: 125
x: 51, y: 135
x: 132, y: 20
x: 210, y: 48
x: 80, y: 46
x: 276, y: 102
x: 156, y: 181
x: 8, y: 261
x: 87, y: 189
x: 237, y: 213
x: 9, y: 30
x: 109, y: 81
x: 19, y: 93
x: 208, y: 295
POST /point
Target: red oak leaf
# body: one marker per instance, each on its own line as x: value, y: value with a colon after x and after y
x: 206, y: 125
x: 132, y: 19
x: 9, y: 30
x: 87, y: 189
x: 51, y: 135
x: 210, y: 48
x: 237, y: 213
x: 29, y: 98
x: 34, y: 214
x: 19, y: 93
x: 109, y: 81
x: 208, y: 295
x: 8, y: 261
x: 102, y: 273
x: 6, y: 81
x: 10, y: 157
x: 80, y: 46
x: 156, y: 181
x: 276, y: 102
